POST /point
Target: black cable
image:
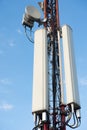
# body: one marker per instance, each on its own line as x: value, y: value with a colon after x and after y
x: 28, y: 36
x: 39, y: 125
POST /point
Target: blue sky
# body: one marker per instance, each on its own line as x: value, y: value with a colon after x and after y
x: 16, y: 61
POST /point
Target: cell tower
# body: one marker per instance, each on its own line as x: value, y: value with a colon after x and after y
x: 48, y: 105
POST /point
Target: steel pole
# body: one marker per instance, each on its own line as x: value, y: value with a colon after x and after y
x: 63, y: 127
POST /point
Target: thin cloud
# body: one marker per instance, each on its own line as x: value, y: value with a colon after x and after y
x: 11, y: 44
x: 19, y: 31
x: 6, y: 106
x: 83, y: 81
x: 5, y: 81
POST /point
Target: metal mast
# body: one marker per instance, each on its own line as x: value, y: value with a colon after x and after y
x: 51, y: 13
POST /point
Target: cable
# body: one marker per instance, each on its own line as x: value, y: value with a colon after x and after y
x: 75, y: 124
x: 28, y: 37
x: 76, y: 119
x: 72, y: 115
x: 39, y: 125
x: 69, y: 117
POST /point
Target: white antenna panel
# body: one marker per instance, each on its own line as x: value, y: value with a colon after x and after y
x: 72, y: 93
x: 40, y: 72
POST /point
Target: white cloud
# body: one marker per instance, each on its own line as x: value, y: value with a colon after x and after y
x: 5, y: 81
x: 11, y: 44
x: 19, y: 31
x: 6, y: 106
x: 83, y: 81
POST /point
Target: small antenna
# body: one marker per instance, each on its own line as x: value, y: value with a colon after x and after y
x: 31, y: 15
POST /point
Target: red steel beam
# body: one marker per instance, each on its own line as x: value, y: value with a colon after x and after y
x: 45, y: 126
x: 57, y: 14
x: 45, y: 10
x: 63, y: 127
